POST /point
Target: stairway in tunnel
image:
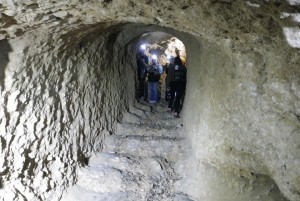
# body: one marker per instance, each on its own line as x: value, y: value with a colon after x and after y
x: 140, y: 161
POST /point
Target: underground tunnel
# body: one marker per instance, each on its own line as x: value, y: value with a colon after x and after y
x: 68, y: 83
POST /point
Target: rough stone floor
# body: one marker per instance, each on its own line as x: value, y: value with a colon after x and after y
x: 139, y: 162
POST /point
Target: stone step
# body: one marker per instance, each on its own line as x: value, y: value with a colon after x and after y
x: 81, y: 194
x: 153, y: 108
x: 146, y: 112
x: 145, y: 146
x: 111, y: 176
x: 125, y: 162
x: 183, y: 197
x: 137, y: 116
x: 142, y: 105
x: 132, y: 118
x: 138, y: 161
x: 148, y: 129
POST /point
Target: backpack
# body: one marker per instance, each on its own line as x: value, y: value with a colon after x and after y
x: 179, y: 73
x: 154, y: 74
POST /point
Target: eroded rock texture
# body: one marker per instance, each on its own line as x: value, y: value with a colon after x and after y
x: 138, y: 161
x: 67, y: 74
x: 59, y: 101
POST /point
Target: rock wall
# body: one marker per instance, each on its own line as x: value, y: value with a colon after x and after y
x: 61, y: 97
x: 63, y: 64
x: 243, y: 116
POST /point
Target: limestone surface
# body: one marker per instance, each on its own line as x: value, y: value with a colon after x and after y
x: 141, y: 167
x: 68, y: 74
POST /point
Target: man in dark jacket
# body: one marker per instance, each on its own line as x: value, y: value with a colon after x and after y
x: 142, y: 64
x: 177, y: 73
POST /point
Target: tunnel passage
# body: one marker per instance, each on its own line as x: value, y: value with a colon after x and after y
x: 58, y: 109
x: 64, y: 94
x: 162, y: 46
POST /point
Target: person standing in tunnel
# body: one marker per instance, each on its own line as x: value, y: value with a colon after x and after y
x: 177, y: 83
x: 169, y: 78
x: 154, y: 72
x: 142, y: 64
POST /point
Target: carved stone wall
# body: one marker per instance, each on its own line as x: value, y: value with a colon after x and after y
x: 68, y: 72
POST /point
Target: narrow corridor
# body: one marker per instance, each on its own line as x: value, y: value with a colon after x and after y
x: 139, y: 162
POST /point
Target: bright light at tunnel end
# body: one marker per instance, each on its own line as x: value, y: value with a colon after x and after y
x: 143, y: 47
x: 154, y: 57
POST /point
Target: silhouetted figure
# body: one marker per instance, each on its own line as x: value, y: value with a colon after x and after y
x: 169, y: 78
x: 177, y: 83
x: 142, y: 64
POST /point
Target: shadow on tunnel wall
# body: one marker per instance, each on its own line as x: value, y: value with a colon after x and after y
x: 5, y: 48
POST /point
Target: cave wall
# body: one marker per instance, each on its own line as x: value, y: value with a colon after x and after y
x: 243, y: 117
x: 61, y: 97
x: 242, y: 103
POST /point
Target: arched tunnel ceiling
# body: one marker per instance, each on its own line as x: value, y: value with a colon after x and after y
x: 244, y: 77
x: 56, y: 102
x: 212, y: 20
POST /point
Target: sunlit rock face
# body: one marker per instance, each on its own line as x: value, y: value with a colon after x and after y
x: 67, y: 74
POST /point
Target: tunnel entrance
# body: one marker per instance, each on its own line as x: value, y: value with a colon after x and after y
x: 163, y: 45
x: 138, y: 158
x: 60, y: 111
x: 161, y: 49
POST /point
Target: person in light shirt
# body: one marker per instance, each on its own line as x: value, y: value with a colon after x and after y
x: 154, y: 72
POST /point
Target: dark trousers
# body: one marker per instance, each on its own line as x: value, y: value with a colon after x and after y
x: 142, y: 92
x: 177, y: 93
x: 167, y: 94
